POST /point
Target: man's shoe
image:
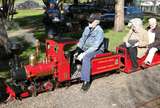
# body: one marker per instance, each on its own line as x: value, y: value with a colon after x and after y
x: 86, y: 85
x: 143, y: 66
x: 134, y: 69
x: 148, y: 63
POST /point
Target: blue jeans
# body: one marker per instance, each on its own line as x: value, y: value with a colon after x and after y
x: 86, y: 65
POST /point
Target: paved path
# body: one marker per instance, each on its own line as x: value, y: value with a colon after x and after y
x: 115, y: 91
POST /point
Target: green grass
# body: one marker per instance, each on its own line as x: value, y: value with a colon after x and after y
x: 28, y: 13
x: 29, y: 18
x: 21, y: 1
x: 4, y: 74
x: 115, y: 38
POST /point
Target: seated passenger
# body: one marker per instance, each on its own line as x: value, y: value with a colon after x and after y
x: 53, y: 12
x: 89, y: 45
x: 52, y: 15
x: 154, y: 37
x: 136, y: 41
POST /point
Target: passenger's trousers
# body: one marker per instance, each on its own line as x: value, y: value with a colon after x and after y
x: 86, y: 65
x: 150, y: 55
x: 133, y: 55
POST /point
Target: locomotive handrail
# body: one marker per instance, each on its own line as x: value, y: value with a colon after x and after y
x: 104, y: 54
x: 70, y: 42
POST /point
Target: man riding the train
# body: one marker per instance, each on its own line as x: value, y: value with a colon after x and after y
x: 89, y: 45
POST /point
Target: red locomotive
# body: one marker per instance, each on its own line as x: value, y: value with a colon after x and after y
x: 56, y: 68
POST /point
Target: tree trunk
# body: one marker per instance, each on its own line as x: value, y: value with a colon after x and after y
x: 119, y: 16
x: 7, y: 9
x: 3, y: 32
x: 4, y: 43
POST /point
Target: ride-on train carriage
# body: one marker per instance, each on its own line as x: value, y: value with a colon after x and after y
x: 56, y: 68
x: 126, y: 65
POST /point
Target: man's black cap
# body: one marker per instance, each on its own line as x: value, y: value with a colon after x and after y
x: 94, y: 17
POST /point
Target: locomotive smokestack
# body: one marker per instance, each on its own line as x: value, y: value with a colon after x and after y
x: 37, y: 45
x: 32, y: 59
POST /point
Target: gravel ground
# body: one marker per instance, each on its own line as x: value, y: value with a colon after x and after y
x: 115, y: 91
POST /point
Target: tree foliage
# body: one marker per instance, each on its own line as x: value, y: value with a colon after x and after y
x: 45, y: 2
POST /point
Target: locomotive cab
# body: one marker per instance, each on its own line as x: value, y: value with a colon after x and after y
x: 76, y: 65
x: 66, y: 66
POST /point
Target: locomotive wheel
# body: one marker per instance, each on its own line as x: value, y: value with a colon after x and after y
x: 9, y: 99
x: 49, y: 86
x: 32, y: 90
x: 68, y: 84
x: 57, y: 84
x: 35, y: 93
x: 4, y: 96
x: 118, y: 71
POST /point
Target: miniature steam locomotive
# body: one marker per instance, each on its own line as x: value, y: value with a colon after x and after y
x: 36, y: 77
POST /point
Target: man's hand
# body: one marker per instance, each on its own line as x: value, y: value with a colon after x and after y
x: 50, y: 15
x: 81, y: 56
x: 127, y: 44
x: 136, y: 44
x: 75, y: 55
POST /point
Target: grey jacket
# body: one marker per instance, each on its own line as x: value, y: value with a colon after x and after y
x: 92, y: 40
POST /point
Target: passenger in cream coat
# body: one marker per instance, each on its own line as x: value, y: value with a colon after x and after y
x: 136, y: 41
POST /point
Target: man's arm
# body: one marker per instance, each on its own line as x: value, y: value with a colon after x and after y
x: 157, y: 40
x: 125, y: 39
x: 81, y: 41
